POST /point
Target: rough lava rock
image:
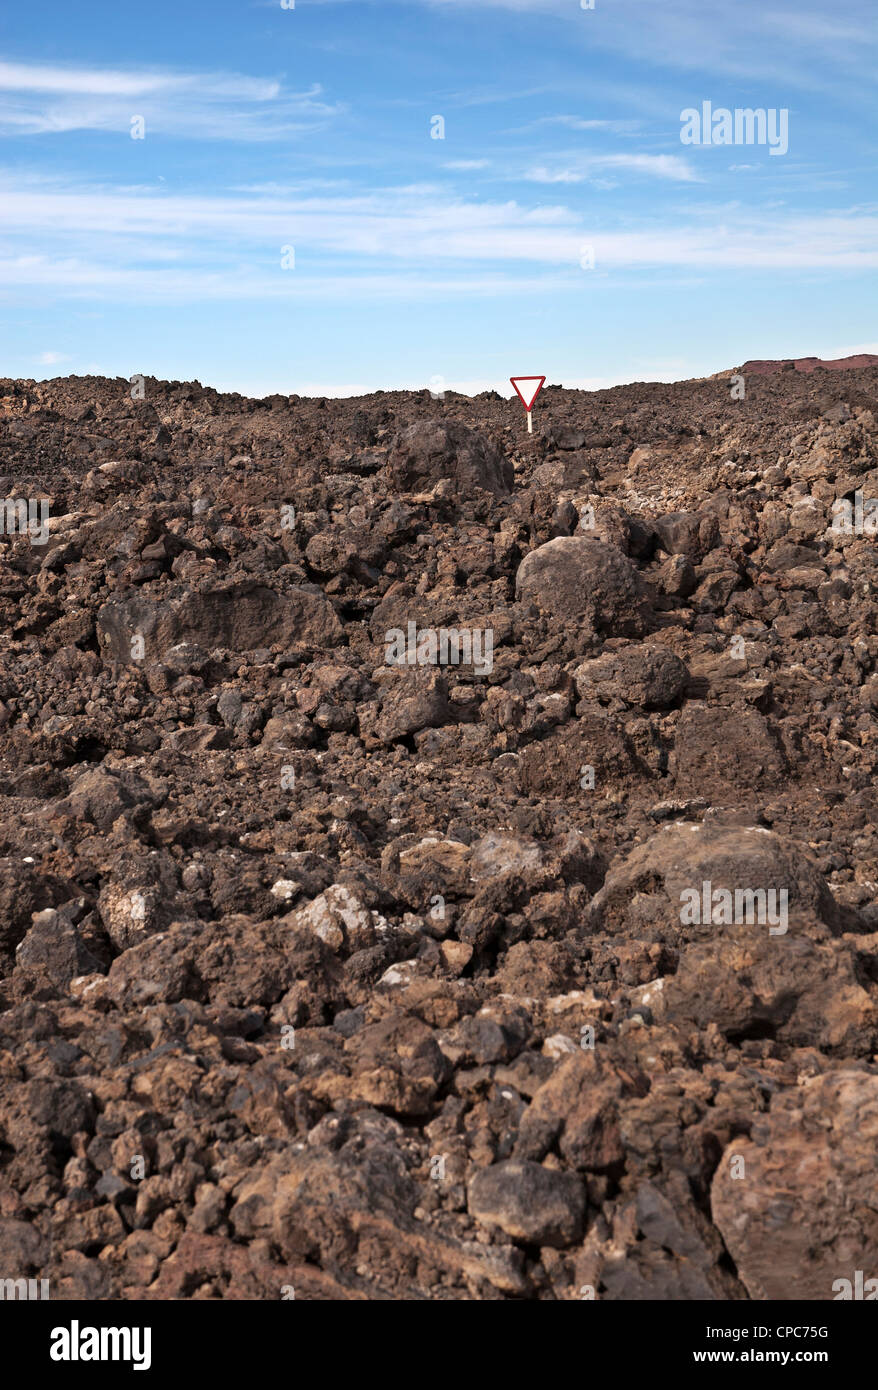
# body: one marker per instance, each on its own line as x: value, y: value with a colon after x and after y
x: 795, y: 1202
x: 529, y: 1203
x: 638, y: 674
x: 373, y: 981
x: 428, y: 453
x: 585, y: 583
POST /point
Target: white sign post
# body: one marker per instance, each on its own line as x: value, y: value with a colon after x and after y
x: 528, y: 390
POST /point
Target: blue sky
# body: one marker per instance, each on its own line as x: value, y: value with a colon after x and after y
x: 465, y: 258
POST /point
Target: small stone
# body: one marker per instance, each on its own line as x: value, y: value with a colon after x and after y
x: 528, y: 1202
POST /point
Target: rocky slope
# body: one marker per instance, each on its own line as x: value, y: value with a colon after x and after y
x: 811, y: 364
x: 329, y: 977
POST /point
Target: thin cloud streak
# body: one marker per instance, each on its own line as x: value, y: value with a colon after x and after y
x: 42, y: 100
x: 661, y: 166
x: 396, y: 244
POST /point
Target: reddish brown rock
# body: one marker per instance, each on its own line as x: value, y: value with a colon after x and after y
x: 795, y: 1202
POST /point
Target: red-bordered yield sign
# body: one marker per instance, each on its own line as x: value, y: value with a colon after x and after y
x: 527, y: 392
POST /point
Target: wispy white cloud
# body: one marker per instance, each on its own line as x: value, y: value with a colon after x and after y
x: 394, y: 243
x: 787, y: 43
x: 30, y: 77
x: 582, y: 123
x: 37, y: 99
x: 661, y: 166
x: 790, y: 41
x: 539, y: 174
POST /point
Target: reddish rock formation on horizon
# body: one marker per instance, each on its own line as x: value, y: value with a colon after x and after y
x: 810, y: 364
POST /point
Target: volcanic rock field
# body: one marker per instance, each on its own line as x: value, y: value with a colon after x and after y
x: 344, y: 958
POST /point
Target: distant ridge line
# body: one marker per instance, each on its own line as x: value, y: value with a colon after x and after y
x: 756, y: 367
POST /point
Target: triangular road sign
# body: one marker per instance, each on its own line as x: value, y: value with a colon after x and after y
x: 530, y: 388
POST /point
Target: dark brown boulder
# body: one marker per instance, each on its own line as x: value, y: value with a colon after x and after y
x: 436, y: 451
x: 584, y: 584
